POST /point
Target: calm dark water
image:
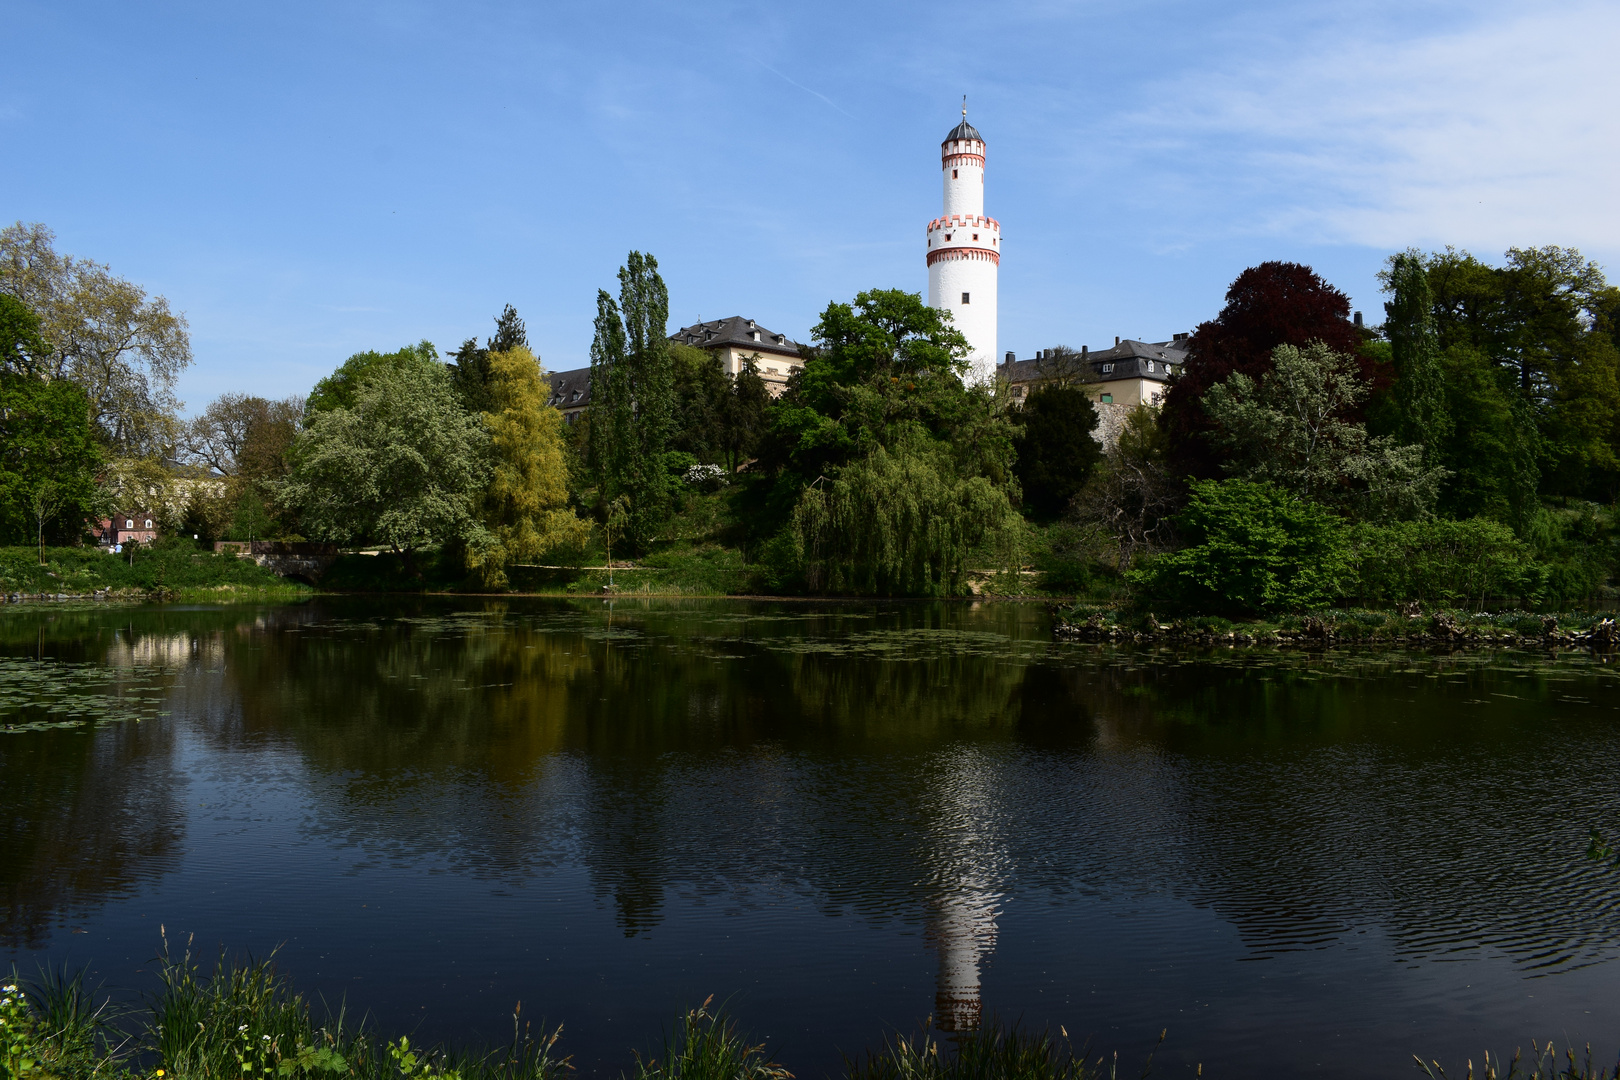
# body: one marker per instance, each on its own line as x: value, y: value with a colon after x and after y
x: 842, y: 819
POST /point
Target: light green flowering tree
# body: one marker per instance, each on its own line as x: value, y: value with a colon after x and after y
x: 402, y: 467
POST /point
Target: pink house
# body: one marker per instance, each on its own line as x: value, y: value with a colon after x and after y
x: 121, y: 528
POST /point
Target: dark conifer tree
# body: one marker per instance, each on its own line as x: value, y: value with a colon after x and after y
x: 471, y: 369
x: 1419, y: 394
x: 1056, y: 450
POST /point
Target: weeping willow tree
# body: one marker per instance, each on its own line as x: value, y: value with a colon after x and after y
x: 902, y: 521
x: 524, y: 511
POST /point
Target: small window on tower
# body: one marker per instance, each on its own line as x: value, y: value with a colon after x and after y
x: 947, y: 236
x: 964, y: 298
x: 975, y: 236
x: 953, y: 175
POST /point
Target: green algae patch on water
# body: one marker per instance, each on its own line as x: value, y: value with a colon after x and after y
x: 44, y: 694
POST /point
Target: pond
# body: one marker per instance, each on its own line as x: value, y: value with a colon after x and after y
x: 840, y: 819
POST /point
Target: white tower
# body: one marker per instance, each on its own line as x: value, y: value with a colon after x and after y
x: 964, y: 248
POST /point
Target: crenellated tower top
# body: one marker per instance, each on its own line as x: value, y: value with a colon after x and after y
x: 962, y: 161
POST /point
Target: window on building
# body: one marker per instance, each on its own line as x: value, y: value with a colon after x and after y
x: 129, y: 523
x: 1150, y: 367
x: 975, y: 236
x: 953, y: 174
x: 1108, y: 399
x: 148, y: 523
x: 964, y: 298
x: 947, y: 236
x: 1107, y: 369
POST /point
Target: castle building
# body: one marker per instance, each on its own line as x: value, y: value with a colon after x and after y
x: 1129, y: 374
x: 964, y: 248
x: 735, y: 341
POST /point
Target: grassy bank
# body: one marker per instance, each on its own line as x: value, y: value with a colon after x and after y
x: 244, y: 1021
x: 169, y: 570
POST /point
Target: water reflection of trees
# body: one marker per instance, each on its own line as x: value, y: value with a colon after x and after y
x: 915, y: 767
x: 89, y: 816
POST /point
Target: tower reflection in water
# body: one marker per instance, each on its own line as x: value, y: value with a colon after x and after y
x: 965, y: 859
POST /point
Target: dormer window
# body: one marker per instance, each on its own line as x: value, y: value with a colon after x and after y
x: 1150, y: 367
x: 1108, y: 369
x: 129, y: 523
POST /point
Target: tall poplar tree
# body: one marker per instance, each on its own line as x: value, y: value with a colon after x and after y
x: 633, y: 396
x: 1419, y: 393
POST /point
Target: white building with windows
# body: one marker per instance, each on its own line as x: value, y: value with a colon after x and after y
x: 964, y: 248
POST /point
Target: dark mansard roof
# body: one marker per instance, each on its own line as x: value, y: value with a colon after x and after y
x: 1127, y: 360
x: 736, y: 331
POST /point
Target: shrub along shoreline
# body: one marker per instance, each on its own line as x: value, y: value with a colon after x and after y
x: 244, y: 1021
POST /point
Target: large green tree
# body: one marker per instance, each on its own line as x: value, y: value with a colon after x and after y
x: 403, y: 466
x: 880, y: 365
x: 1294, y: 427
x: 342, y: 388
x: 1540, y: 319
x: 23, y: 348
x: 49, y: 456
x: 123, y: 348
x: 890, y: 470
x: 633, y: 397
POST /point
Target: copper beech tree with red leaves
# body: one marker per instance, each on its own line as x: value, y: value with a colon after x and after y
x: 1275, y: 303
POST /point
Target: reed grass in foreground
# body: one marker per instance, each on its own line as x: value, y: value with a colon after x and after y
x: 243, y: 1021
x: 1545, y: 1064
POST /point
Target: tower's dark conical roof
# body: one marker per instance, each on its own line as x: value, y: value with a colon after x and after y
x: 964, y: 130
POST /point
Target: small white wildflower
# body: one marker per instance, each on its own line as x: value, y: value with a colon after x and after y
x: 242, y: 1028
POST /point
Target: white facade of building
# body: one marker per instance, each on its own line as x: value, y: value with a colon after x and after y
x: 964, y: 248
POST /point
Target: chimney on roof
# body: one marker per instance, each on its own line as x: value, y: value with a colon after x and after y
x: 1084, y: 349
x: 1011, y: 356
x: 1116, y: 341
x: 1358, y: 320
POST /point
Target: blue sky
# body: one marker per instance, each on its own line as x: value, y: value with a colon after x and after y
x: 307, y: 180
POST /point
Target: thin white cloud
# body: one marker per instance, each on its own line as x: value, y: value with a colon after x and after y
x: 1503, y: 132
x: 806, y: 89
